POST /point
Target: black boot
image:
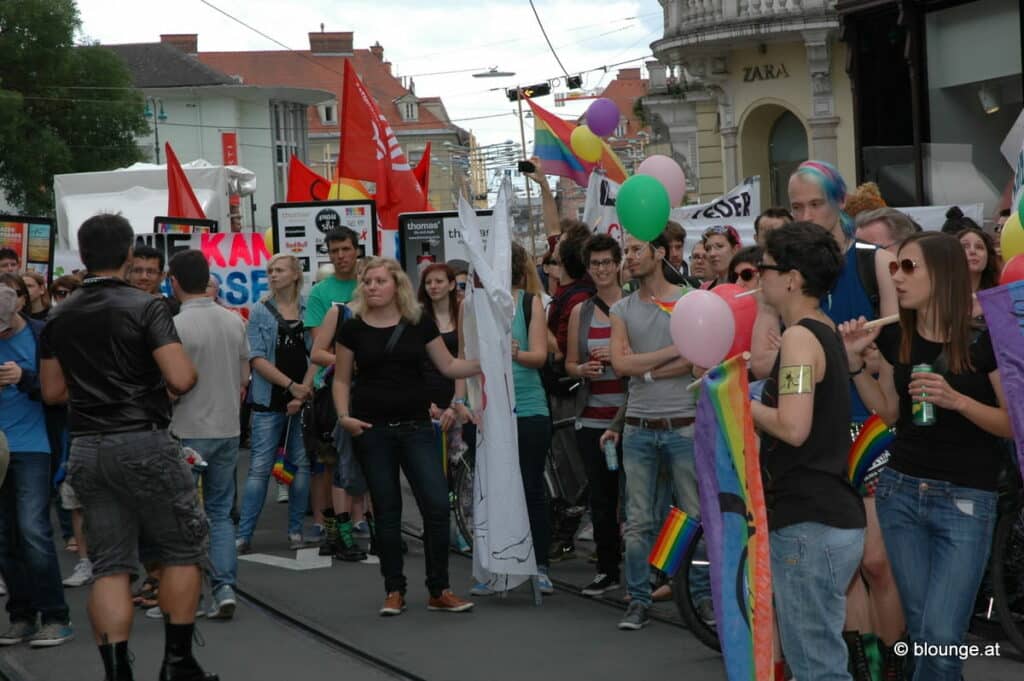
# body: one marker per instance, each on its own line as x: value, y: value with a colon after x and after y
x: 857, y: 664
x: 115, y: 661
x: 893, y: 667
x: 330, y: 545
x: 348, y: 550
x: 179, y: 664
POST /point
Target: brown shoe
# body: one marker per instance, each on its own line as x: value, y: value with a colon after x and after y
x: 394, y: 604
x: 448, y: 602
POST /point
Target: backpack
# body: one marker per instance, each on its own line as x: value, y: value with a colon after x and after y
x: 867, y: 272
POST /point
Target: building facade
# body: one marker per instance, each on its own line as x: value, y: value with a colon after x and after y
x: 751, y: 87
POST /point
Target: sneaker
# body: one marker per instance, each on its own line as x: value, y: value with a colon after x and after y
x: 635, y: 618
x: 448, y: 602
x: 18, y: 631
x: 394, y: 604
x: 319, y: 534
x: 544, y: 581
x: 361, y: 529
x: 81, y: 575
x: 223, y: 604
x: 52, y: 634
x: 601, y: 584
x: 297, y: 541
x: 586, y: 533
x: 282, y: 493
x: 561, y: 551
x: 706, y: 611
x: 155, y: 613
x: 482, y: 589
x: 243, y: 546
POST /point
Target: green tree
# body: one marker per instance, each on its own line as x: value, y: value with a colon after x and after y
x: 64, y: 108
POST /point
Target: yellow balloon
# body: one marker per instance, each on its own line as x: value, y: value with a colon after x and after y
x: 347, y: 193
x: 1011, y: 241
x: 586, y: 144
x: 268, y: 239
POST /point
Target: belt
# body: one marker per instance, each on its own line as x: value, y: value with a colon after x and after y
x: 660, y: 424
x: 407, y: 424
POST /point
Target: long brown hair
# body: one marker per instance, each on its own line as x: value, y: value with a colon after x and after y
x: 950, y: 299
x: 453, y: 295
x: 989, y: 275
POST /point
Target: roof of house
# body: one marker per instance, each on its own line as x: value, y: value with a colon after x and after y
x: 154, y: 65
x: 627, y: 87
x: 325, y: 71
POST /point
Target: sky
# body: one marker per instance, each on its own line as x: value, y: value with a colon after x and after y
x: 421, y: 39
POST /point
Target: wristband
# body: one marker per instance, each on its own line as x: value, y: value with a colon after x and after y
x: 289, y: 386
x: 459, y: 400
x: 858, y: 372
x: 648, y: 378
x: 342, y: 416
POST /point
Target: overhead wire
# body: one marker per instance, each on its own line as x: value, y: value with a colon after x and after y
x: 548, y: 40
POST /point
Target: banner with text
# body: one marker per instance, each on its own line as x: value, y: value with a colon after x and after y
x: 435, y: 236
x: 32, y: 239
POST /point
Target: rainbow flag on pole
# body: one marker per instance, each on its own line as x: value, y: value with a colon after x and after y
x: 551, y: 145
x: 735, y: 522
x: 678, y: 532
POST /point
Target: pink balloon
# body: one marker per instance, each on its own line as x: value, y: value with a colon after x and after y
x: 668, y: 172
x: 744, y: 313
x: 702, y: 328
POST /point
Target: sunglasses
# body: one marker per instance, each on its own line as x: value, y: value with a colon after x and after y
x: 907, y: 265
x: 461, y: 285
x: 763, y: 267
x: 61, y: 293
x: 746, y: 275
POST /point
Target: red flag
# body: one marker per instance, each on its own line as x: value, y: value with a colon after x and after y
x: 181, y: 200
x: 305, y: 184
x: 422, y: 170
x: 369, y: 151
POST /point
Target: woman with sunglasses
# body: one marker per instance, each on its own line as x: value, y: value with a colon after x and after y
x: 38, y: 296
x: 936, y: 498
x: 62, y: 287
x: 721, y: 243
x: 815, y: 517
x: 743, y: 268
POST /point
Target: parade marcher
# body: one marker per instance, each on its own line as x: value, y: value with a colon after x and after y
x: 982, y: 263
x: 600, y: 396
x: 769, y: 219
x: 62, y: 287
x: 9, y: 261
x: 676, y: 236
x: 659, y: 415
x: 147, y: 274
x: 699, y: 263
x: 28, y: 560
x: 38, y: 296
x: 885, y: 228
x: 936, y: 499
x: 279, y: 349
x: 743, y: 268
x: 815, y: 518
x: 439, y: 300
x: 113, y: 354
x: 386, y: 412
x: 206, y: 418
x: 721, y: 243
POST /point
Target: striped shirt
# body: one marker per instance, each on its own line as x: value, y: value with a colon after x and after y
x: 606, y: 392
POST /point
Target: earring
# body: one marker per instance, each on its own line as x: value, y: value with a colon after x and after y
x: 789, y: 287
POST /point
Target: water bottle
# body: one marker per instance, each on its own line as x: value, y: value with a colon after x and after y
x: 611, y: 458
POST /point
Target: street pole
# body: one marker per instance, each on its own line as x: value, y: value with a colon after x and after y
x: 531, y: 229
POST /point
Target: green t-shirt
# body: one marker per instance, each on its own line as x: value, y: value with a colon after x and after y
x: 325, y: 294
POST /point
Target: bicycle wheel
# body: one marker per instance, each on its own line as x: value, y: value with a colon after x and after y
x: 462, y: 496
x: 703, y: 629
x: 1008, y: 574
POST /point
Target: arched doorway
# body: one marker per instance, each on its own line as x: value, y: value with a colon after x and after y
x: 787, y: 149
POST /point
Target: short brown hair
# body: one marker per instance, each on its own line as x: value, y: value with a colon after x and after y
x: 674, y: 232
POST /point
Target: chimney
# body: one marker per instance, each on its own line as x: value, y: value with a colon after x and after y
x: 331, y: 42
x: 387, y: 65
x: 629, y: 74
x: 186, y: 42
x: 377, y: 50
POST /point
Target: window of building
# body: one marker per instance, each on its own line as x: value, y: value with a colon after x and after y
x: 621, y: 128
x: 329, y: 113
x: 410, y: 111
x: 288, y: 126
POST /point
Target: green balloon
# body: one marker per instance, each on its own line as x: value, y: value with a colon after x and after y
x: 643, y: 207
x: 1020, y: 205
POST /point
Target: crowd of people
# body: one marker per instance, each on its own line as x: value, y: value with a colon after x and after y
x: 110, y: 386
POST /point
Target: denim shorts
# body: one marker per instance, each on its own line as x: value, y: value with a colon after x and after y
x: 137, y: 491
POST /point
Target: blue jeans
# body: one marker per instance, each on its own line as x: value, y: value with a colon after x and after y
x: 382, y: 451
x: 268, y: 427
x: 28, y: 559
x: 812, y: 567
x: 644, y: 451
x: 938, y: 537
x: 221, y: 455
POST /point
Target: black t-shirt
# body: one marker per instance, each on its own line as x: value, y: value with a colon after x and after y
x: 290, y: 359
x: 808, y: 483
x: 441, y: 389
x: 390, y: 387
x: 104, y: 337
x: 952, y: 449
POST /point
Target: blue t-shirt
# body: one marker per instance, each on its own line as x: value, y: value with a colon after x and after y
x: 21, y: 418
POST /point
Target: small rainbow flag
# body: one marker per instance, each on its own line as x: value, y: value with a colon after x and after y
x: 678, y: 532
x: 551, y: 145
x: 284, y: 470
x: 868, y: 454
x: 665, y: 305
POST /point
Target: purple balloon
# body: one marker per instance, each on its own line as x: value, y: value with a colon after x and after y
x: 603, y: 117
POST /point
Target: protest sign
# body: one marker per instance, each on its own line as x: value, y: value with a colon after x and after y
x: 32, y: 239
x: 435, y: 236
x: 299, y: 230
x: 168, y: 225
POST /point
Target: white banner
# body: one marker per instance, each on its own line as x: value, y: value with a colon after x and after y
x: 739, y: 208
x: 933, y: 217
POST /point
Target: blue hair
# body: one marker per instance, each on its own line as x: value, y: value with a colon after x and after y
x: 827, y: 178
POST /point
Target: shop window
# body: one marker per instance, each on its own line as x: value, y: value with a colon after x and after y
x: 787, y: 149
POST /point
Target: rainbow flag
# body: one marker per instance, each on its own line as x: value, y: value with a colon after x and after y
x: 735, y: 522
x: 284, y: 470
x: 868, y: 455
x: 678, y: 532
x: 551, y: 145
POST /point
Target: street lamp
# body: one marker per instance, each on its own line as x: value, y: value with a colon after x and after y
x: 151, y: 105
x: 493, y: 72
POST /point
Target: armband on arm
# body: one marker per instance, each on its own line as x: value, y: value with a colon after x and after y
x: 796, y: 380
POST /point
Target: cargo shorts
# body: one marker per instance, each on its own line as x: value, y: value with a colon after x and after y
x: 137, y: 490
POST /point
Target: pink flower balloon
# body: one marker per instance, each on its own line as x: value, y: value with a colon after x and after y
x: 668, y: 172
x: 702, y: 328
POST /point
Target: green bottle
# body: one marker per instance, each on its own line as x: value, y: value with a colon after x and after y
x: 923, y: 412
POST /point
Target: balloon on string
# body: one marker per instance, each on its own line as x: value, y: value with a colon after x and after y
x: 744, y: 312
x: 1020, y: 203
x: 586, y: 144
x: 668, y: 172
x: 268, y: 239
x: 1011, y: 239
x: 702, y: 328
x: 603, y: 117
x: 643, y: 208
x: 1013, y: 270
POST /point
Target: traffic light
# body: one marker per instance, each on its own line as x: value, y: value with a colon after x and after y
x: 531, y: 91
x: 574, y: 82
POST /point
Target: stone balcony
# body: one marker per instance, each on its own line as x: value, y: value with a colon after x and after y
x: 709, y: 26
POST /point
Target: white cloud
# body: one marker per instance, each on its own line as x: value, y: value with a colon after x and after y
x: 418, y: 38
